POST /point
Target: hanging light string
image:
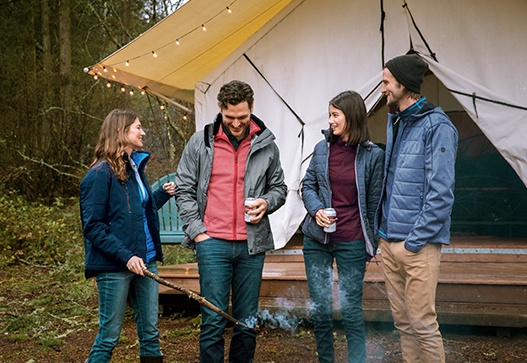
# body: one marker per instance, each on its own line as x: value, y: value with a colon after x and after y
x: 178, y: 41
x: 98, y: 69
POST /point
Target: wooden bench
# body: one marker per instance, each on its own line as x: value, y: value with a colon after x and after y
x: 170, y: 224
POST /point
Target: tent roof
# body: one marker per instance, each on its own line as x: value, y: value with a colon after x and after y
x: 177, y: 68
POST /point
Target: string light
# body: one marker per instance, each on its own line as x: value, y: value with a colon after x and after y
x: 185, y: 117
x: 154, y: 55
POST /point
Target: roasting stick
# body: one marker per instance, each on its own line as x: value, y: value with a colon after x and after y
x: 194, y: 296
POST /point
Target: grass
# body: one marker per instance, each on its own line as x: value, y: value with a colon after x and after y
x: 53, y: 292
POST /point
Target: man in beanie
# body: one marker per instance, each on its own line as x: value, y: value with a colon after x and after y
x: 418, y: 194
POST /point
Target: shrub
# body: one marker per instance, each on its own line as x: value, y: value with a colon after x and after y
x: 31, y: 232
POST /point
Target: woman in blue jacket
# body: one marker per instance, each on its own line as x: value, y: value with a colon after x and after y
x: 345, y: 173
x: 121, y: 235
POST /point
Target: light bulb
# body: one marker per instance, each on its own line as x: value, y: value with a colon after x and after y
x: 203, y: 27
x: 127, y: 63
x: 162, y: 107
x: 123, y: 89
x: 154, y: 54
x: 131, y: 92
x: 95, y: 77
x: 109, y: 85
x: 229, y: 10
x: 143, y: 92
x: 185, y: 117
x: 177, y: 42
x: 104, y: 69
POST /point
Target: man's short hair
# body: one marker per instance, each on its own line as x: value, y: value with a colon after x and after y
x: 235, y: 92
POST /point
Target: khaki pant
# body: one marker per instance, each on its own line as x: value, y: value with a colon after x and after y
x: 411, y: 283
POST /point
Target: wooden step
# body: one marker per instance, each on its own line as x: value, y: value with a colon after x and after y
x: 482, y: 281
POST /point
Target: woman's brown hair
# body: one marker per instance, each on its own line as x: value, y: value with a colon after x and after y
x: 113, y: 141
x: 352, y: 106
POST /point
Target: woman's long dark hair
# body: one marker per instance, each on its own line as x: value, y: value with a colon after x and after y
x: 354, y: 109
x: 113, y: 141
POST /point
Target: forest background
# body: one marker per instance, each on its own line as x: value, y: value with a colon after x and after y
x: 51, y: 111
x: 50, y: 117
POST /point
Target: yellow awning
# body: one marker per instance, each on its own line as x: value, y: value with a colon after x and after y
x: 184, y: 51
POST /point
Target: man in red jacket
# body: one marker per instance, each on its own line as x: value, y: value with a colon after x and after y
x: 232, y: 159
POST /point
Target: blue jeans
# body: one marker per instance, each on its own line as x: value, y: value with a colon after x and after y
x: 224, y: 265
x: 114, y: 288
x: 351, y: 263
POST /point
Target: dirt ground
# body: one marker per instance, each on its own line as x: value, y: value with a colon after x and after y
x: 180, y: 344
x: 180, y: 330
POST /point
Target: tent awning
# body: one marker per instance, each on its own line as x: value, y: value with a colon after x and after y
x: 185, y: 53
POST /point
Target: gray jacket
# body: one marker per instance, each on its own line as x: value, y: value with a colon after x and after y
x: 316, y: 190
x: 264, y: 178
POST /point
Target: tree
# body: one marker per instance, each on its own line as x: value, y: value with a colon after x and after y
x: 50, y: 111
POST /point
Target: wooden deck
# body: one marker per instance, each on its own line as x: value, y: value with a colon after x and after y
x: 483, y: 281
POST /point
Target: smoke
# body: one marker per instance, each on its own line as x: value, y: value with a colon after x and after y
x: 285, y: 317
x: 280, y: 319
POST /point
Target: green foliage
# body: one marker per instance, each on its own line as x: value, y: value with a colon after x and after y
x: 32, y: 232
x: 49, y: 238
x: 50, y: 342
x: 20, y: 323
x: 177, y: 254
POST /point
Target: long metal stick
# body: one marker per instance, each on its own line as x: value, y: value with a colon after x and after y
x: 194, y: 296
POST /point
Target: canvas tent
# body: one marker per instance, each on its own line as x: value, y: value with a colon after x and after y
x: 298, y: 54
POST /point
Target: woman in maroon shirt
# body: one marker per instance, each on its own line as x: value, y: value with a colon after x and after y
x: 345, y: 173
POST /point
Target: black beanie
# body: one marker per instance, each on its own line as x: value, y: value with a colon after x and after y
x: 408, y: 70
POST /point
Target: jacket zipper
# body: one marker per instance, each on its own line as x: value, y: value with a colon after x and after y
x: 367, y: 241
x: 326, y: 235
x: 235, y: 194
x: 128, y: 199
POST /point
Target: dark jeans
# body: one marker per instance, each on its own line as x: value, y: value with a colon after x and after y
x: 351, y: 263
x: 224, y: 265
x: 114, y: 288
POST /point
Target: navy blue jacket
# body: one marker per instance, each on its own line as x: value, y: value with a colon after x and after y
x: 316, y: 190
x: 112, y: 217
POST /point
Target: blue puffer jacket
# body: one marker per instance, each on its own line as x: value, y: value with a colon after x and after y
x: 423, y: 186
x: 316, y: 190
x: 112, y: 217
